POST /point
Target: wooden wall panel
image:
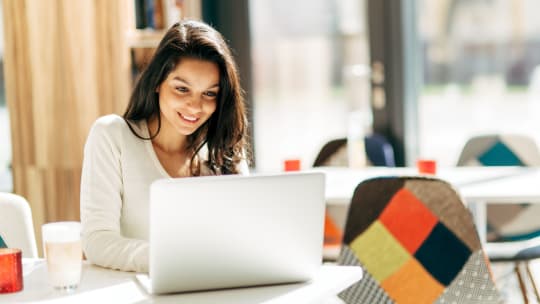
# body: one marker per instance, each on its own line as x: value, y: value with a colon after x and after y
x: 66, y: 63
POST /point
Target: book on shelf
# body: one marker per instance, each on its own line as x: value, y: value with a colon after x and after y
x: 159, y: 21
x: 140, y: 17
x: 149, y: 13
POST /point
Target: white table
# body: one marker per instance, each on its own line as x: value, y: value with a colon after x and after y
x: 522, y: 187
x: 518, y: 188
x: 477, y: 185
x: 472, y: 182
x: 99, y: 285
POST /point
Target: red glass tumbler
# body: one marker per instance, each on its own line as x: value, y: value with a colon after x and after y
x: 11, y: 278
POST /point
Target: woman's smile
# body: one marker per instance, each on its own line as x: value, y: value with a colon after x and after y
x: 188, y: 119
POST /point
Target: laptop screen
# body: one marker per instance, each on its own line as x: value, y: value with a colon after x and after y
x: 232, y: 231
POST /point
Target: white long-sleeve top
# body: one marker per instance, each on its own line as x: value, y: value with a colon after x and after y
x: 118, y: 169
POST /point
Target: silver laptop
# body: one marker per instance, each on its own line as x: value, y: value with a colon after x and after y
x: 235, y: 231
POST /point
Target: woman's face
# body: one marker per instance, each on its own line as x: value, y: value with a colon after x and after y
x: 188, y: 96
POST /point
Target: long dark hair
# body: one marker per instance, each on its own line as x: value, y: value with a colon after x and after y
x: 225, y: 132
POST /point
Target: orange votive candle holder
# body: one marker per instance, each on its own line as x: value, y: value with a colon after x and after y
x: 291, y: 165
x: 11, y: 275
x: 426, y: 166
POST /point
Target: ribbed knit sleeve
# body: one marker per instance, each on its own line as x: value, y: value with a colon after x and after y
x: 102, y: 193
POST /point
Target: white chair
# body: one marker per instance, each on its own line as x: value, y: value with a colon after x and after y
x: 16, y: 225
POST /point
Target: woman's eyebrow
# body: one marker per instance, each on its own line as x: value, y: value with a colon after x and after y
x: 181, y: 79
x: 178, y: 78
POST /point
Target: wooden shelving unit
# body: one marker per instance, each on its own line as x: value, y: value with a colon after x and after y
x: 143, y: 42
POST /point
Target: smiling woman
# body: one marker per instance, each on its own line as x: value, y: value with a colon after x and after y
x: 188, y: 93
x: 187, y: 99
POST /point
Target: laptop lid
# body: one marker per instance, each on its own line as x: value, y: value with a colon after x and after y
x: 234, y: 231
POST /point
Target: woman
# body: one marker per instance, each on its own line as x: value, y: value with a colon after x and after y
x: 186, y: 117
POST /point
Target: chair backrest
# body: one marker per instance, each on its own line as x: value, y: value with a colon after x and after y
x: 16, y: 225
x: 500, y: 150
x: 416, y: 242
x: 379, y: 152
x: 2, y: 243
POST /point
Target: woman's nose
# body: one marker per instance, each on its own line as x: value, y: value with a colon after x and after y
x: 195, y: 104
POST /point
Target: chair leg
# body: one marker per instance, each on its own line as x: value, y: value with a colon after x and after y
x: 521, y: 283
x: 529, y: 273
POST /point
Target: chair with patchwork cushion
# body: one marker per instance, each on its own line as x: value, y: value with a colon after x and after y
x: 513, y: 230
x: 416, y: 242
x: 500, y: 150
x: 379, y: 152
x: 506, y: 222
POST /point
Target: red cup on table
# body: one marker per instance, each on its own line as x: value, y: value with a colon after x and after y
x: 11, y: 278
x: 291, y: 165
x: 426, y: 166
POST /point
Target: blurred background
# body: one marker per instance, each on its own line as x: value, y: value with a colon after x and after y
x: 428, y: 74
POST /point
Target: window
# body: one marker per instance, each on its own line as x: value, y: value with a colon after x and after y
x: 481, y: 67
x: 310, y: 61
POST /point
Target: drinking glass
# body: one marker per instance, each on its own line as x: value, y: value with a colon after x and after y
x: 63, y: 253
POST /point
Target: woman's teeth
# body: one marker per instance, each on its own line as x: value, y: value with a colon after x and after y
x: 189, y: 118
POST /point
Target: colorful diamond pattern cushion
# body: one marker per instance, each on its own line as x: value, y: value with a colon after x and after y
x: 500, y: 149
x: 499, y: 155
x: 422, y: 289
x: 396, y: 218
x: 443, y: 254
x: 443, y: 201
x: 365, y: 216
x: 413, y: 255
x: 379, y: 251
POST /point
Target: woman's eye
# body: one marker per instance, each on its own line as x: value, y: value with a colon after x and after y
x: 211, y: 94
x: 182, y: 89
